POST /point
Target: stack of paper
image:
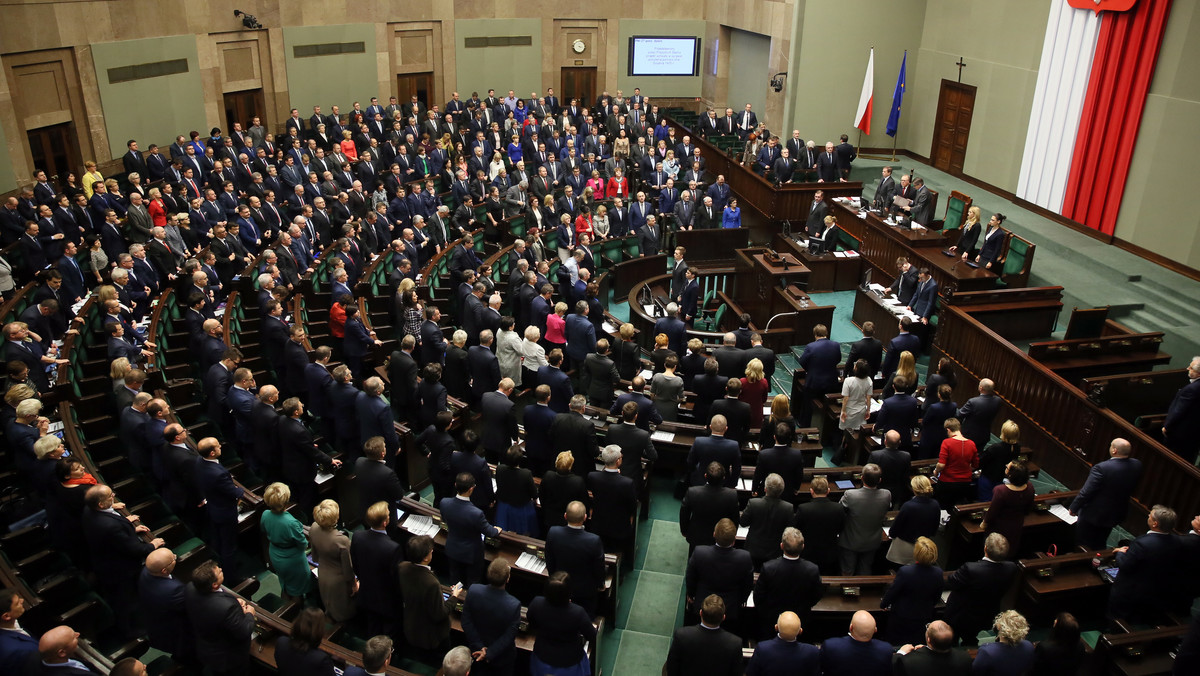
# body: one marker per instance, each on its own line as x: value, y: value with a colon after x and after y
x: 608, y: 328
x: 647, y: 374
x: 839, y: 254
x: 649, y: 309
x: 851, y: 254
x: 531, y: 562
x: 876, y: 405
x: 420, y: 524
x: 1063, y: 513
x: 878, y: 287
x: 322, y: 477
x: 745, y: 484
x: 743, y: 531
x: 663, y: 436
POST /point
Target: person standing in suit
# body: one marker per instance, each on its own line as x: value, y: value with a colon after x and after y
x: 1150, y: 572
x: 828, y: 167
x: 17, y: 646
x: 782, y: 460
x: 734, y: 411
x: 572, y: 432
x: 866, y: 509
x: 935, y: 657
x: 815, y: 224
x: 614, y: 502
x: 1181, y: 429
x: 904, y: 342
x: 720, y: 569
x: 162, y: 600
x: 885, y: 191
x: 402, y: 378
x: 375, y: 418
x: 426, y: 612
x: 331, y: 553
x: 648, y: 235
x: 705, y: 648
x: 921, y: 209
x: 491, y: 618
x: 819, y: 361
x: 118, y: 552
x: 465, y: 522
x: 705, y: 505
x: 600, y: 378
x: 220, y: 497
x: 715, y: 447
x: 787, y: 583
x: 914, y: 593
x: 374, y: 480
x: 375, y: 557
x: 784, y: 655
x: 300, y: 456
x: 859, y: 652
x: 899, y: 413
x: 223, y: 622
x: 562, y: 628
x: 58, y: 648
x: 580, y: 554
x: 635, y: 444
x: 978, y: 413
x: 924, y: 300
x: 766, y: 518
x: 977, y: 588
x: 993, y: 243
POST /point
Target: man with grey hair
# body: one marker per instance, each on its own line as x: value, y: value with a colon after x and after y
x: 574, y: 433
x: 1150, y: 579
x: 977, y: 589
x: 165, y: 260
x: 1181, y: 429
x: 457, y: 662
x: 787, y: 583
x: 375, y: 419
x: 766, y: 519
x: 614, y: 501
x: 516, y: 199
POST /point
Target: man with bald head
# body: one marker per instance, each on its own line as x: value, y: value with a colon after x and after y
x: 978, y: 413
x: 936, y: 658
x: 57, y: 649
x: 118, y: 550
x: 859, y: 653
x: 580, y: 554
x: 784, y: 655
x: 1103, y: 501
x: 161, y: 598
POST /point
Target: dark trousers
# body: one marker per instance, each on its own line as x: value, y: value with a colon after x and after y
x: 223, y: 537
x: 468, y: 573
x: 1091, y: 535
x: 950, y: 493
x: 380, y: 624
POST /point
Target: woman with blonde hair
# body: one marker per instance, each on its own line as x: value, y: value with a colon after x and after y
x: 755, y: 387
x: 157, y: 208
x: 968, y: 235
x: 90, y: 175
x: 495, y: 165
x: 1011, y: 653
x: 626, y: 353
x: 907, y: 368
x: 600, y: 225
x: 781, y: 412
x: 285, y: 543
x: 556, y: 326
x: 119, y: 368
x: 994, y: 459
x: 914, y: 593
x: 917, y: 518
x: 331, y: 552
x: 349, y: 149
x: 106, y: 292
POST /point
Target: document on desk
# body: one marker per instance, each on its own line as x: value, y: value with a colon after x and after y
x: 663, y: 436
x: 322, y: 477
x: 649, y: 309
x: 420, y: 524
x: 745, y: 484
x: 1063, y: 513
x: 878, y: 287
x: 608, y: 328
x: 647, y: 374
x: 743, y: 531
x: 532, y: 563
x: 876, y: 405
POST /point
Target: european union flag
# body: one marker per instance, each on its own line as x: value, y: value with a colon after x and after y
x: 897, y: 99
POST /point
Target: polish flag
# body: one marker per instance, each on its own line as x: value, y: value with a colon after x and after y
x: 862, y: 120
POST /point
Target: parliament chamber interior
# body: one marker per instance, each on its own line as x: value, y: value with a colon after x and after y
x: 690, y: 340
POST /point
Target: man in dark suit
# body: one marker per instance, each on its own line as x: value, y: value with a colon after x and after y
x: 900, y: 413
x: 977, y: 588
x: 580, y: 554
x: 905, y: 284
x: 815, y: 223
x: 924, y: 300
x: 819, y: 361
x: 426, y: 612
x: 375, y: 481
x: 540, y: 445
x: 715, y: 447
x: 978, y: 413
x: 731, y: 359
x: 433, y: 342
x: 783, y: 654
x: 17, y: 646
x: 599, y: 378
x: 822, y: 520
x: 709, y: 386
x: 614, y: 502
x: 903, y: 342
x: 869, y: 348
x: 464, y: 524
x: 734, y: 412
x: 635, y: 444
x: 705, y: 505
x: 118, y: 552
x: 484, y: 368
x: 162, y: 600
x: 376, y: 557
x: 828, y: 169
x: 300, y: 455
x: 921, y: 209
x: 223, y: 622
x: 674, y: 328
x: 885, y: 191
x: 721, y: 569
x: 491, y: 618
x: 766, y: 518
x: 499, y: 421
x: 559, y: 382
x: 647, y: 412
x: 782, y: 460
x: 859, y: 652
x: 895, y: 464
x: 1181, y: 429
x: 375, y: 417
x: 705, y: 648
x: 936, y: 657
x: 786, y: 583
x: 220, y: 496
x: 1149, y: 571
x: 648, y: 236
x: 1103, y: 501
x: 402, y: 377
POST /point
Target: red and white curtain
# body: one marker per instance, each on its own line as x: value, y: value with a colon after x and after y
x: 1095, y: 72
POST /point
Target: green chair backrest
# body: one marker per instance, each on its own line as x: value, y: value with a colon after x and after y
x: 1018, y: 250
x: 954, y: 214
x: 718, y: 316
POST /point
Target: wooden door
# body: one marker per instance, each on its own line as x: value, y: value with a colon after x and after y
x: 243, y: 107
x: 956, y: 104
x: 420, y: 84
x: 578, y: 83
x: 55, y: 150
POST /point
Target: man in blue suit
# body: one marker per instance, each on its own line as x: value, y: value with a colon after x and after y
x: 784, y: 655
x: 1149, y: 574
x: 925, y: 299
x: 581, y: 335
x: 580, y: 554
x: 904, y: 342
x: 16, y: 646
x: 715, y: 448
x: 376, y: 657
x: 491, y: 618
x: 539, y: 448
x: 674, y: 328
x: 900, y: 412
x: 858, y: 653
x: 647, y: 412
x: 221, y: 497
x: 820, y: 363
x: 464, y: 524
x: 241, y: 401
x: 375, y: 417
x: 689, y: 299
x: 376, y: 557
x: 559, y: 382
x: 1181, y: 429
x: 1103, y: 501
x: 161, y: 598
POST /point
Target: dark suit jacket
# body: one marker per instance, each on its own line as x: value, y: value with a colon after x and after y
x: 737, y: 414
x: 599, y: 379
x: 614, y: 504
x: 905, y: 342
x: 777, y: 657
x: 464, y: 524
x: 844, y: 655
x: 785, y: 461
x: 766, y: 518
x: 905, y: 285
x: 375, y: 420
x: 820, y: 360
x: 222, y: 630
x: 821, y: 520
x: 375, y: 557
x: 484, y: 495
x: 925, y: 662
x: 989, y: 251
x: 572, y: 432
x: 376, y: 482
x: 702, y: 508
x: 426, y: 617
x: 581, y: 555
x: 724, y: 450
x: 491, y: 618
x: 976, y: 589
x: 402, y: 376
x: 484, y: 370
x: 557, y: 491
x: 299, y: 455
x: 538, y: 446
x: 726, y: 572
x: 1150, y: 574
x: 897, y: 470
x: 117, y: 551
x: 787, y: 584
x: 635, y: 446
x: 16, y: 650
x: 976, y: 417
x: 560, y: 387
x: 899, y: 412
x: 499, y: 423
x: 700, y: 650
x: 217, y: 488
x: 315, y: 662
x: 162, y: 601
x: 1183, y: 420
x: 865, y: 348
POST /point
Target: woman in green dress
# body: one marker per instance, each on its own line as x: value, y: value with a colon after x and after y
x: 286, y: 543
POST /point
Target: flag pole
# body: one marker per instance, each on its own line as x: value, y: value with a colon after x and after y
x: 894, y: 145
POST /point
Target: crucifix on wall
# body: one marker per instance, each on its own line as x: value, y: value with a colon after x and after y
x: 961, y: 64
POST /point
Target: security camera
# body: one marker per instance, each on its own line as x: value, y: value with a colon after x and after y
x: 248, y: 20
